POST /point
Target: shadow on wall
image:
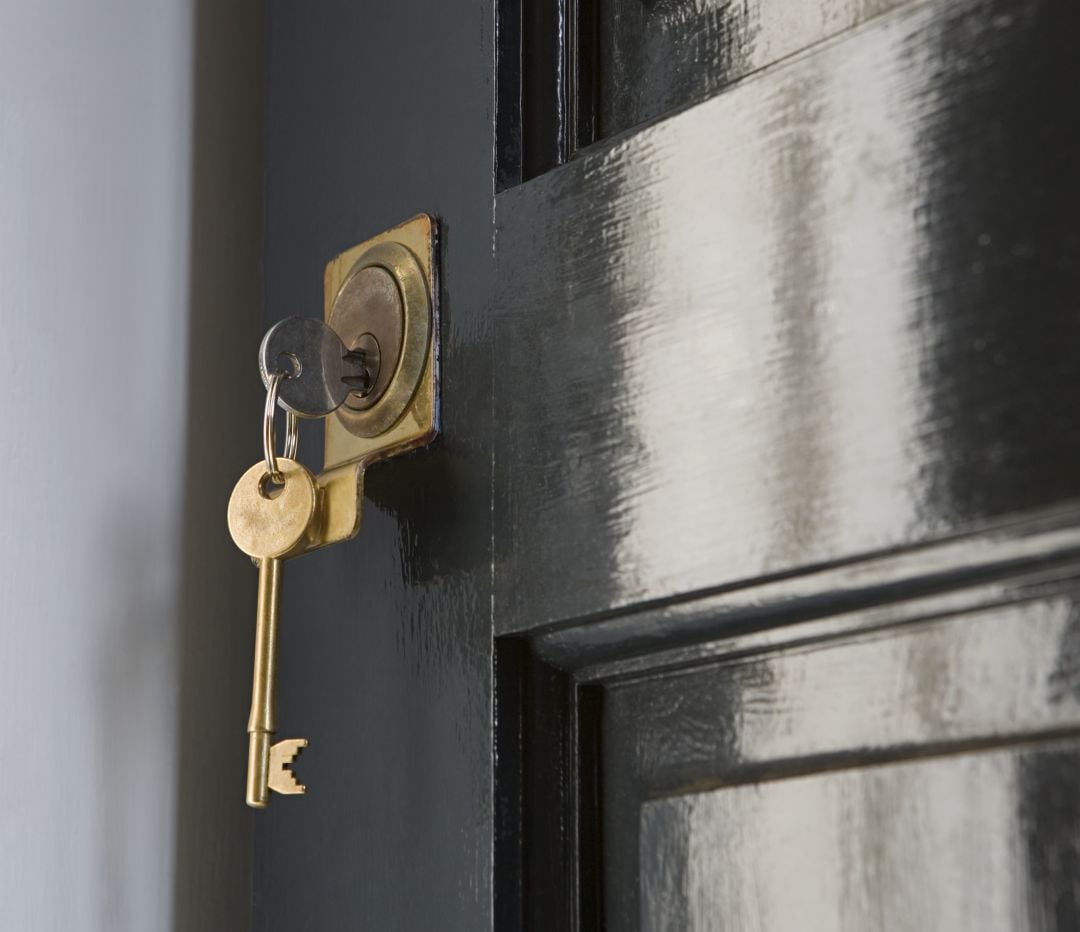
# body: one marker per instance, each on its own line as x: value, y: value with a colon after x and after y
x: 213, y: 837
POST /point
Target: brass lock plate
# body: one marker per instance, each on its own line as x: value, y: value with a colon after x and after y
x: 380, y: 297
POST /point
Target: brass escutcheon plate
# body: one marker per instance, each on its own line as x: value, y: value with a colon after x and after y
x: 385, y: 289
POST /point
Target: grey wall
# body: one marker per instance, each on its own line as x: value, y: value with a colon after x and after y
x: 129, y: 249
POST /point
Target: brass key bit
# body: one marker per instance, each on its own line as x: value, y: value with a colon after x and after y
x: 280, y: 778
x: 267, y: 527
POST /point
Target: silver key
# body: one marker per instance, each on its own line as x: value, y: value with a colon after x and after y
x: 321, y: 370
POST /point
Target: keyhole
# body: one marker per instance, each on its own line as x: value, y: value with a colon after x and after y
x: 367, y: 350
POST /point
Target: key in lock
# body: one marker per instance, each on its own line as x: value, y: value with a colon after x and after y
x: 382, y: 382
x: 320, y: 371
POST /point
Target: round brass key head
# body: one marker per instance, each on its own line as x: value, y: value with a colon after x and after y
x: 268, y: 520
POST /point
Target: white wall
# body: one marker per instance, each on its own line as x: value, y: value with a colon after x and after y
x: 129, y: 244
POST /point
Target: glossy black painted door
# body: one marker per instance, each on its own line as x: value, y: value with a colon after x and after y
x: 740, y: 591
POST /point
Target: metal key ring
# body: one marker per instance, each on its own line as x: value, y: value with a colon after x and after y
x: 292, y: 429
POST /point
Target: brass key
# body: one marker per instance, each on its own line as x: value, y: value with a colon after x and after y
x: 266, y: 523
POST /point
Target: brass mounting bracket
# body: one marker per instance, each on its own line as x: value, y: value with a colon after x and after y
x: 385, y: 286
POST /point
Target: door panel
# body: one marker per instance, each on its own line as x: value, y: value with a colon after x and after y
x: 652, y: 58
x: 958, y: 843
x: 931, y: 685
x: 947, y: 664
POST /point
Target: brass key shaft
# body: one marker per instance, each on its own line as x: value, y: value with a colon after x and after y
x: 262, y: 722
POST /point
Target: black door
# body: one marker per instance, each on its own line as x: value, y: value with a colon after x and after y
x: 739, y: 591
